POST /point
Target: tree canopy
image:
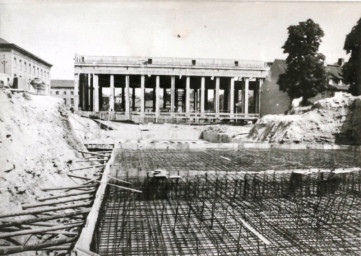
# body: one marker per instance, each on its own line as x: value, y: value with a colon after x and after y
x: 352, y: 69
x: 305, y: 75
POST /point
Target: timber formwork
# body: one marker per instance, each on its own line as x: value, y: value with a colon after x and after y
x: 230, y: 213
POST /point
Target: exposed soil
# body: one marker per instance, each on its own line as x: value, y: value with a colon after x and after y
x: 335, y: 120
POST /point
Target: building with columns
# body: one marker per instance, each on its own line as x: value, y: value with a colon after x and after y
x: 168, y: 89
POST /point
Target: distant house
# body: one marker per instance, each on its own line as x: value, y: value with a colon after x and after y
x: 275, y: 101
x: 27, y: 71
x: 63, y: 89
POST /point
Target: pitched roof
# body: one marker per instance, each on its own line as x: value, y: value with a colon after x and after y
x: 5, y: 44
x: 62, y: 84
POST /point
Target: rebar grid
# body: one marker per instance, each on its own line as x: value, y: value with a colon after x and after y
x: 229, y: 214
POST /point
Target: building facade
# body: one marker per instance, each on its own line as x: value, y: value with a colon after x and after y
x: 139, y: 88
x: 63, y: 89
x: 27, y: 71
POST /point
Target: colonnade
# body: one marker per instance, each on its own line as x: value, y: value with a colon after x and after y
x: 89, y: 97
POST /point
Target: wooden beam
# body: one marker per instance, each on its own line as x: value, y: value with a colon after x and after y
x: 34, y: 247
x: 119, y: 180
x: 87, y: 167
x: 40, y: 230
x: 32, y: 212
x: 25, y: 206
x: 65, y: 195
x: 95, y: 153
x: 88, y: 160
x: 78, y: 177
x: 70, y: 187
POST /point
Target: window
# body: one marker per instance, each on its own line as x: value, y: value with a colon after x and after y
x: 72, y: 92
x: 72, y: 101
x: 29, y: 68
x: 65, y: 101
x: 20, y: 64
x: 14, y: 62
x: 25, y: 66
x: 64, y: 92
x: 57, y: 92
x: 34, y: 70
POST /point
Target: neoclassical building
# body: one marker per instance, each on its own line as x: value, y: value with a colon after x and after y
x: 168, y: 89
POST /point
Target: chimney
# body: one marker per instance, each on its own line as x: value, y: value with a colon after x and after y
x: 341, y: 61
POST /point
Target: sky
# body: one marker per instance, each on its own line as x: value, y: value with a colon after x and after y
x: 56, y: 30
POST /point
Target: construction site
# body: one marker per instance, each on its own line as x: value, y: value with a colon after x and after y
x: 229, y: 203
x: 113, y: 188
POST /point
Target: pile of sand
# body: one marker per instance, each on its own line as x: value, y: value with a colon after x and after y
x: 37, y: 148
x: 331, y: 120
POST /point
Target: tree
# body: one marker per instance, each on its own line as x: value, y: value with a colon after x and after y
x: 305, y: 75
x: 352, y: 69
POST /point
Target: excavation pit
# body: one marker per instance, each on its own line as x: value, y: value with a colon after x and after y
x: 246, y: 202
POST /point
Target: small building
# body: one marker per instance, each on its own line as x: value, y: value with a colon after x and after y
x: 63, y: 89
x: 274, y: 101
x: 27, y: 71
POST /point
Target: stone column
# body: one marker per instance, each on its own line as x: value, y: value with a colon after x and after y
x: 203, y: 88
x: 172, y: 94
x: 95, y: 93
x: 157, y: 93
x: 127, y: 94
x: 216, y: 96
x: 187, y: 91
x: 231, y: 97
x: 246, y: 88
x: 142, y: 95
x: 111, y: 96
x: 76, y: 92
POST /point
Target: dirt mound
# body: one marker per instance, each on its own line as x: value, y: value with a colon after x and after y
x: 331, y: 120
x: 37, y: 147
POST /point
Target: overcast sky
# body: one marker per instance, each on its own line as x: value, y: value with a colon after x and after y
x: 56, y: 30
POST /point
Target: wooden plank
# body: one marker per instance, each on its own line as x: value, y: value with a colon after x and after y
x: 79, y: 177
x: 5, y: 250
x: 95, y: 153
x: 119, y: 180
x: 25, y: 206
x: 65, y: 195
x: 70, y: 187
x: 32, y: 212
x: 87, y: 167
x: 40, y: 230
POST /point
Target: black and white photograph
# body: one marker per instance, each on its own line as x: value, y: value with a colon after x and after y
x: 179, y: 127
